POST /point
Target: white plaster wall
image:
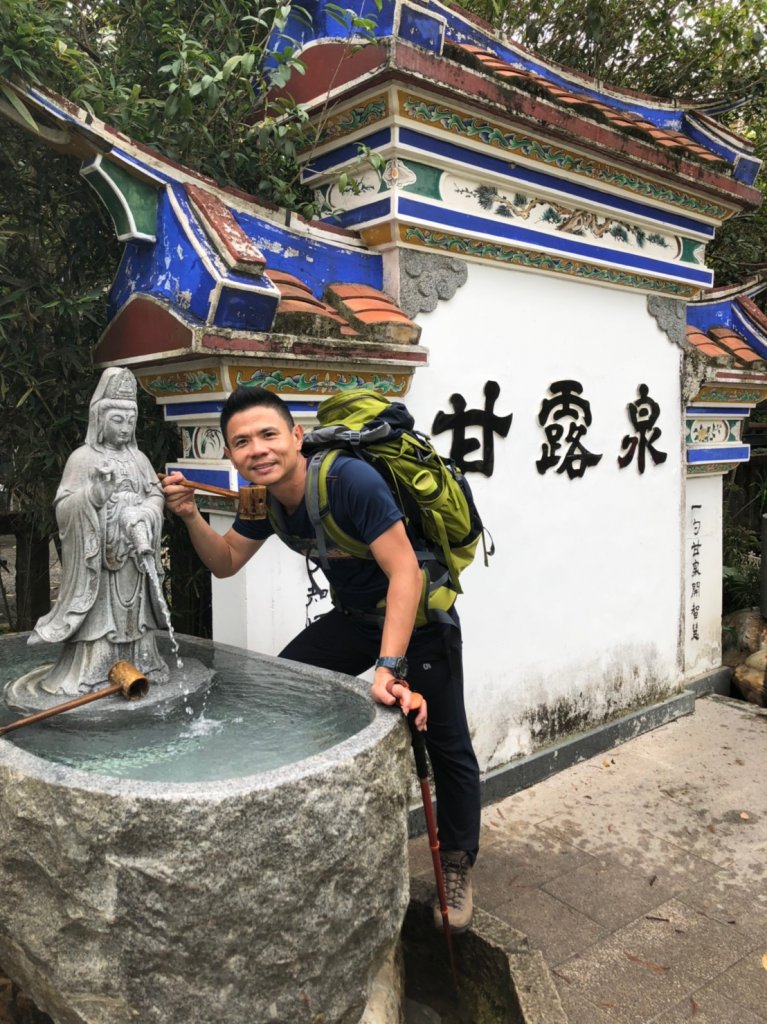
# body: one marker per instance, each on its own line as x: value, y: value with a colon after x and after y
x: 264, y: 605
x: 702, y: 601
x: 580, y: 609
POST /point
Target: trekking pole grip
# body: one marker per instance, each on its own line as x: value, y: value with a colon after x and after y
x: 417, y: 737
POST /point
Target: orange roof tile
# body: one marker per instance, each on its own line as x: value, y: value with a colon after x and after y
x: 292, y: 291
x: 372, y: 313
x: 705, y: 344
x: 280, y: 277
x: 348, y: 291
x: 622, y: 120
x: 735, y: 343
x: 301, y: 312
x: 377, y: 316
x: 365, y: 303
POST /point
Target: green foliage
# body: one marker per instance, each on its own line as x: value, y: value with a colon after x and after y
x: 741, y: 584
x: 745, y: 503
x: 186, y: 78
x: 51, y: 301
x: 669, y: 48
x: 56, y: 254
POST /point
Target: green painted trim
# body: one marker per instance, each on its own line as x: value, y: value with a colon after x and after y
x: 472, y: 127
x: 736, y: 395
x: 352, y: 120
x: 711, y: 468
x: 324, y: 383
x: 182, y: 383
x: 427, y: 180
x: 542, y: 261
x: 689, y: 252
x: 131, y: 203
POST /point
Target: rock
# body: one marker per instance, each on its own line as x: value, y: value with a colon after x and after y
x: 418, y: 1013
x: 749, y: 682
x: 15, y: 1008
x: 744, y: 630
x: 385, y: 1004
x: 758, y: 660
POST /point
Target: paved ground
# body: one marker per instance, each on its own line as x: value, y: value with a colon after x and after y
x: 640, y: 874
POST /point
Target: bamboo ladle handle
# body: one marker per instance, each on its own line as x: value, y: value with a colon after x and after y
x: 210, y: 488
x: 124, y: 678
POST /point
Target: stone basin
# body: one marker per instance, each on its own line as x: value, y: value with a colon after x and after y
x: 272, y: 896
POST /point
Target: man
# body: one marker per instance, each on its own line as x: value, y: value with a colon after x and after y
x: 264, y: 444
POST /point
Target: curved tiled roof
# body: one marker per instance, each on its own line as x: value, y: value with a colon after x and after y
x: 347, y: 311
x: 723, y: 341
x: 728, y: 325
x: 624, y: 120
x: 443, y: 34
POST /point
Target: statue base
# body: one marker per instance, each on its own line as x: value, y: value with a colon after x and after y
x: 174, y: 686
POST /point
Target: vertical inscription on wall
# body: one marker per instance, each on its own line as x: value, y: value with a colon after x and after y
x: 696, y: 545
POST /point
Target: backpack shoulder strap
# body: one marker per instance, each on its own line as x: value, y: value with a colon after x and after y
x: 318, y: 507
x: 313, y: 507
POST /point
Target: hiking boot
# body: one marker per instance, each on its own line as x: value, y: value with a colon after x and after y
x: 456, y: 867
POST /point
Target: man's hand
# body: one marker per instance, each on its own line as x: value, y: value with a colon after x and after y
x: 389, y: 691
x: 178, y: 498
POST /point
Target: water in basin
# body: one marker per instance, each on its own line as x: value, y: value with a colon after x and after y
x: 258, y: 714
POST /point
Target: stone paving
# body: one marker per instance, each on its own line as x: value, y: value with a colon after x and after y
x: 640, y: 873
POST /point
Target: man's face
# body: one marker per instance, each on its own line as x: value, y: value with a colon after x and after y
x: 262, y: 447
x: 118, y: 428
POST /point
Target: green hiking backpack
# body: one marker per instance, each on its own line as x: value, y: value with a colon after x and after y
x: 441, y: 518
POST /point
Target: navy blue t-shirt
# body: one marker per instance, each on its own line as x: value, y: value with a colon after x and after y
x: 363, y: 506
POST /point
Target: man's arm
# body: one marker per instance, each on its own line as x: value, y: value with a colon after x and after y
x: 394, y: 554
x: 223, y: 555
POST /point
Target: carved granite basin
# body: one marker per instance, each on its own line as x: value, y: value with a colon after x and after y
x: 271, y: 896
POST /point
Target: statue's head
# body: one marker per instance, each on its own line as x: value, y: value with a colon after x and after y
x: 113, y: 410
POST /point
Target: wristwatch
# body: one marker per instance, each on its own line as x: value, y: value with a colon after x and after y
x: 397, y: 666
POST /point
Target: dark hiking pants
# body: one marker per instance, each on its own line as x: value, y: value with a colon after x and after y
x: 343, y: 643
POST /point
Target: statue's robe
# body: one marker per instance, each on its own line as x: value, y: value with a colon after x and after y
x: 107, y: 607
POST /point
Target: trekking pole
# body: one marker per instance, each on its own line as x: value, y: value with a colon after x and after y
x: 422, y: 771
x: 125, y: 678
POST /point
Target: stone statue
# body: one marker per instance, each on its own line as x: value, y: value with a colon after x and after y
x: 109, y: 508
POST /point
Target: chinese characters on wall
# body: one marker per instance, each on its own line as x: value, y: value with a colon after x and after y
x: 461, y: 418
x: 565, y: 407
x: 643, y: 415
x: 565, y: 417
x: 696, y: 543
